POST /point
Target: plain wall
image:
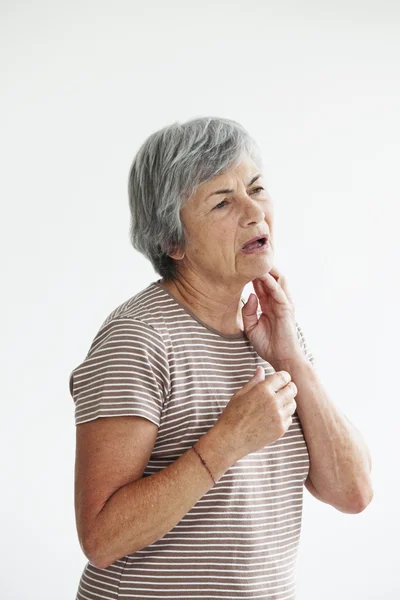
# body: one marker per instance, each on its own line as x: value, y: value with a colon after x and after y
x: 82, y: 85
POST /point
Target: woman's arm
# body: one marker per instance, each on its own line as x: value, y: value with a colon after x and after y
x: 144, y: 510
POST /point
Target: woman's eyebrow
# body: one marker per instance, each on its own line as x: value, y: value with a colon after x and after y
x: 228, y: 191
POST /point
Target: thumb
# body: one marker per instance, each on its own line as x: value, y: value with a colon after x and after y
x: 249, y: 313
x: 258, y: 376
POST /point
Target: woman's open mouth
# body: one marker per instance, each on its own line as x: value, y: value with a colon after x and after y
x: 260, y: 245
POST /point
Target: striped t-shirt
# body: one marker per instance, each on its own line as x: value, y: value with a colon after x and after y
x: 152, y: 357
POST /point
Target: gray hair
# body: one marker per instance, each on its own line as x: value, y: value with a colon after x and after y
x: 165, y: 173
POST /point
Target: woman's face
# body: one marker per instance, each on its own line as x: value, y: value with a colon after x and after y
x: 218, y: 225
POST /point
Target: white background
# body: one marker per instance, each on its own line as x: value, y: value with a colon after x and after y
x: 317, y: 84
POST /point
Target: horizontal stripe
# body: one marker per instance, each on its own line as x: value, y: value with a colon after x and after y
x: 155, y: 359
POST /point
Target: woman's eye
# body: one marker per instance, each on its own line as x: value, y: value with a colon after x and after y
x: 219, y: 203
x: 258, y: 190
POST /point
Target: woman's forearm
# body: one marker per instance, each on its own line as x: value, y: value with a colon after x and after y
x: 143, y: 511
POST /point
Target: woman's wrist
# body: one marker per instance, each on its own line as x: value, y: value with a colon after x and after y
x: 215, y: 453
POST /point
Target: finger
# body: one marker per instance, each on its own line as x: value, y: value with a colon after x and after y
x: 284, y: 285
x: 281, y: 279
x: 276, y: 273
x: 271, y: 288
x: 285, y: 288
x: 290, y: 404
x: 249, y: 313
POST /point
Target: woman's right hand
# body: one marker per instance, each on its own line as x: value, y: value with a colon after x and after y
x: 259, y: 413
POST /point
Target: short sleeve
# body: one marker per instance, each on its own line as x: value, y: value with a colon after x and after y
x: 124, y: 373
x: 304, y: 346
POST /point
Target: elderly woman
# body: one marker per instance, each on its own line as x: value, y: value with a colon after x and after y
x: 192, y: 487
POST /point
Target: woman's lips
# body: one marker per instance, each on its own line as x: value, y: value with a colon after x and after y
x: 256, y: 238
x: 257, y: 249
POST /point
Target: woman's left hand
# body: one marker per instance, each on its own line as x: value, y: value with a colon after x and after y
x: 273, y: 335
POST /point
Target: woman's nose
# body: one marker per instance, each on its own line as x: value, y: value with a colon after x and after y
x: 252, y: 209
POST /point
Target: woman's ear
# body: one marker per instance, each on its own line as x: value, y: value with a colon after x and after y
x: 176, y: 255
